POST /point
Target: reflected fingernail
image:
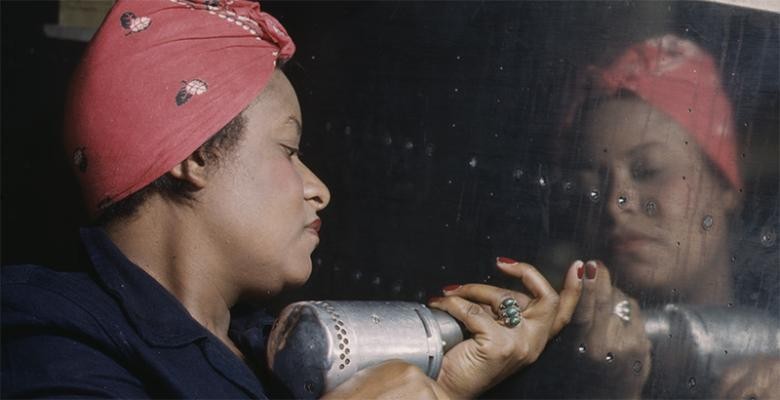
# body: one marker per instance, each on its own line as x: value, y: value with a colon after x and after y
x: 590, y: 270
x: 580, y: 269
x: 450, y: 288
x: 506, y: 260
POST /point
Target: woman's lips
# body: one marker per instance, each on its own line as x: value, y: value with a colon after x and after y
x: 315, y: 226
x: 629, y: 242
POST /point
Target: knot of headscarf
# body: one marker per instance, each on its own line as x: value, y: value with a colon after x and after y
x: 159, y: 78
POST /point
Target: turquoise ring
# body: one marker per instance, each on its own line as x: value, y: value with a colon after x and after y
x: 509, y: 313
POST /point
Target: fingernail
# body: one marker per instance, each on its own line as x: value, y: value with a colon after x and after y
x: 506, y: 260
x: 450, y: 288
x: 435, y: 299
x: 580, y: 269
x: 590, y: 270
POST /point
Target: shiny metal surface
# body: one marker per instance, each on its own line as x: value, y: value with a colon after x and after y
x: 693, y: 345
x: 316, y: 345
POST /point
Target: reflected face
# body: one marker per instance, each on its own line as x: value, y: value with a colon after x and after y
x: 263, y: 201
x: 663, y: 211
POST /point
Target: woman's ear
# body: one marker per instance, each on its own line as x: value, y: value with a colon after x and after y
x: 192, y: 170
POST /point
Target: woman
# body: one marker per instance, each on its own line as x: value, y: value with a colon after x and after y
x: 192, y: 223
x: 658, y: 164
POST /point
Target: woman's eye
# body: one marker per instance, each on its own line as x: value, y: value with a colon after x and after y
x: 291, y: 151
x: 640, y: 171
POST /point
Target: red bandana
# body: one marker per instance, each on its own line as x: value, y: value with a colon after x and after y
x: 680, y: 79
x: 159, y: 78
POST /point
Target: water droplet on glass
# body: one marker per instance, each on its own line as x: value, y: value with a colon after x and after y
x: 581, y: 349
x: 500, y: 67
x: 707, y: 222
x: 357, y: 275
x: 443, y: 267
x: 313, y: 57
x: 491, y: 194
x: 610, y: 357
x: 455, y: 90
x: 457, y: 57
x: 691, y: 382
x: 542, y: 182
x: 637, y: 367
x: 651, y: 208
x: 473, y: 162
x: 568, y: 186
x: 387, y: 140
x: 408, y: 145
x: 488, y: 237
x: 768, y: 236
x: 376, y: 281
x: 452, y: 125
x: 429, y: 150
x: 446, y: 225
x: 621, y: 201
x: 449, y: 181
x: 518, y: 173
x: 594, y: 195
x: 347, y: 130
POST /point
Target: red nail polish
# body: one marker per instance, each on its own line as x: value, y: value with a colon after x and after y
x: 506, y: 260
x: 590, y: 270
x: 580, y: 271
x: 450, y: 288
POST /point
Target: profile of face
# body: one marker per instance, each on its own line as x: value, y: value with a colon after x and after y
x: 660, y: 213
x: 261, y: 203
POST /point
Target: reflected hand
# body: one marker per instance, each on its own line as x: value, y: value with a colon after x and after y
x: 609, y: 329
x: 496, y: 351
x: 753, y: 378
x: 392, y: 379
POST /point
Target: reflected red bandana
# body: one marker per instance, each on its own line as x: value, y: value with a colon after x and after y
x: 159, y: 78
x: 677, y: 77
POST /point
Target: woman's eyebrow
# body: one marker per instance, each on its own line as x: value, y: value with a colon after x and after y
x: 644, y: 147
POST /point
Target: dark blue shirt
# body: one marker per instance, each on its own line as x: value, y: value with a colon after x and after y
x: 113, y: 331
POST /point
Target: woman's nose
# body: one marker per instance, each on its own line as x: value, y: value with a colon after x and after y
x: 314, y: 190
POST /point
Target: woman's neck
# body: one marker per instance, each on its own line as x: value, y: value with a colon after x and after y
x: 164, y: 242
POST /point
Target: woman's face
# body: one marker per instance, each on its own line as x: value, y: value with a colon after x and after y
x: 262, y: 201
x: 660, y: 213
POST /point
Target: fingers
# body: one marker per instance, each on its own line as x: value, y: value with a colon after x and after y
x: 531, y: 278
x: 487, y: 294
x: 603, y: 286
x: 568, y: 298
x: 585, y: 312
x: 474, y: 317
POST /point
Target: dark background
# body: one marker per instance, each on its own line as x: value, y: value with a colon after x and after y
x: 429, y: 123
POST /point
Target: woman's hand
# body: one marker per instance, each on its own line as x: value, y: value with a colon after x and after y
x: 752, y: 378
x: 496, y: 351
x: 609, y: 331
x: 392, y: 379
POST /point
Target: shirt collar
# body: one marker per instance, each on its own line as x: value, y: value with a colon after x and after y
x: 158, y: 316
